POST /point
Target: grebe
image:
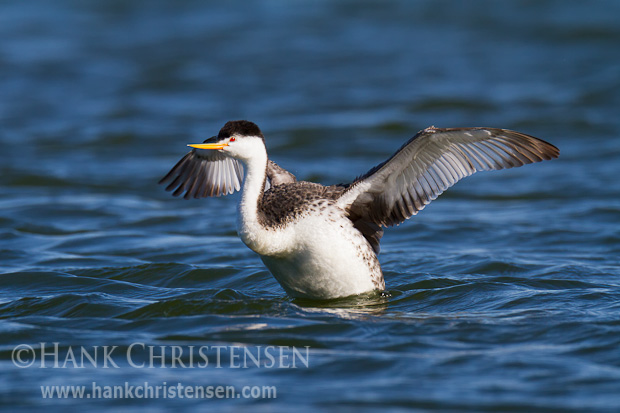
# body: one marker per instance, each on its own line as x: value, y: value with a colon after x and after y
x: 321, y: 242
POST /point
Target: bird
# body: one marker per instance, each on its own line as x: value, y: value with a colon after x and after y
x: 321, y: 242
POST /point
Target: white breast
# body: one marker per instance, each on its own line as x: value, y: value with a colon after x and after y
x: 319, y: 256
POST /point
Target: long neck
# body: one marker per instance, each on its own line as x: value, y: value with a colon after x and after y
x: 249, y: 227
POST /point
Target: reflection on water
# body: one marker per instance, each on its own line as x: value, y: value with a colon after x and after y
x: 354, y: 307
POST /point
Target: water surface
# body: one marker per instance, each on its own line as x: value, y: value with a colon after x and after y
x: 504, y: 292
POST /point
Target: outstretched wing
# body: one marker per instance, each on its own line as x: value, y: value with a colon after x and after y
x: 431, y: 162
x: 203, y: 173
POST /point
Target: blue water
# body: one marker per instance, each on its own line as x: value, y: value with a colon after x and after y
x: 505, y: 291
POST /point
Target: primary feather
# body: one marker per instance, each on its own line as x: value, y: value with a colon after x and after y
x: 431, y: 162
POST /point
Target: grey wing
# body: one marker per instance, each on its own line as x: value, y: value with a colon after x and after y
x: 204, y: 173
x: 431, y: 162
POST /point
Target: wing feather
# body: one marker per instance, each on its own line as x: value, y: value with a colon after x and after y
x: 431, y: 162
x: 204, y: 173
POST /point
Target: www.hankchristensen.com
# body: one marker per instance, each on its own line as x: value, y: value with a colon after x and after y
x: 163, y: 390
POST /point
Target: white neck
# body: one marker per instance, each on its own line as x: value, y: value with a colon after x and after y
x: 250, y: 230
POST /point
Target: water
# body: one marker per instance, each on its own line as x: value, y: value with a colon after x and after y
x: 505, y: 291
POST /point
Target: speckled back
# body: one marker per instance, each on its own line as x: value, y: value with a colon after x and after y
x: 283, y: 203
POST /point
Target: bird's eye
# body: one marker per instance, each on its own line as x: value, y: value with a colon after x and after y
x: 231, y: 140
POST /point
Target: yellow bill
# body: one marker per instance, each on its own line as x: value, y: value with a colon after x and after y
x: 208, y: 145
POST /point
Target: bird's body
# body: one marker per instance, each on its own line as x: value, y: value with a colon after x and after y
x: 310, y: 245
x: 320, y: 241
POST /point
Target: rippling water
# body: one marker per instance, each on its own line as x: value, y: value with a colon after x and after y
x: 504, y: 292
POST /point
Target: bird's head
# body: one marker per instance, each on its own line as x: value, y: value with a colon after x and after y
x: 239, y: 139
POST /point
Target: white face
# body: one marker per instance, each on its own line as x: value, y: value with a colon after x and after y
x: 243, y: 147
